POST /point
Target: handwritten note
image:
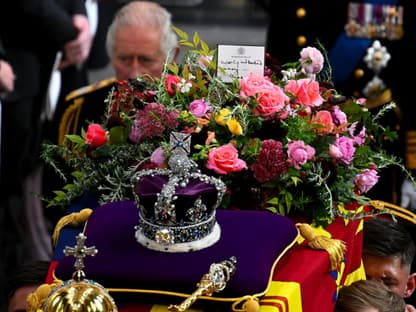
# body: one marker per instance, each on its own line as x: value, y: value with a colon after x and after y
x: 239, y: 61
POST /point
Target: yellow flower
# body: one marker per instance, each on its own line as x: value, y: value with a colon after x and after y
x: 223, y: 116
x: 234, y: 126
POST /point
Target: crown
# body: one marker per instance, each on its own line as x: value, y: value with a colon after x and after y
x: 177, y: 205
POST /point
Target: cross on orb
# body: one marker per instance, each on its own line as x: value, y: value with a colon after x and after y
x: 79, y: 251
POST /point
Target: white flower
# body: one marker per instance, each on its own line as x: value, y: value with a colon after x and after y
x: 289, y: 74
x: 184, y: 86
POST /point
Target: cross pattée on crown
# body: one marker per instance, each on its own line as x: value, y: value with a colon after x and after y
x: 180, y: 143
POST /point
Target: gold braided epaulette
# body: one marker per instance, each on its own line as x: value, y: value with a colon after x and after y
x: 395, y: 210
x: 75, y: 99
x: 90, y: 88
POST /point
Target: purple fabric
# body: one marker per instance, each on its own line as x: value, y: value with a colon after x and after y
x: 255, y: 238
x: 150, y: 186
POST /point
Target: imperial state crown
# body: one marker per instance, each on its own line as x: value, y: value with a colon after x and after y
x: 177, y: 205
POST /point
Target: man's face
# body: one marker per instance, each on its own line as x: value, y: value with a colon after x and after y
x: 137, y: 52
x: 390, y: 272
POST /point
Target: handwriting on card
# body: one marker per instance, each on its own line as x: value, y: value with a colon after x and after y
x: 236, y: 62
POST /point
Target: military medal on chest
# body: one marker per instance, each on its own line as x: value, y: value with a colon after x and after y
x: 368, y: 20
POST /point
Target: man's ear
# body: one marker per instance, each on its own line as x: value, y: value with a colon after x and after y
x: 410, y: 286
x: 175, y: 54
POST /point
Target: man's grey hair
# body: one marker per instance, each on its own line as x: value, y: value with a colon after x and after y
x: 144, y: 13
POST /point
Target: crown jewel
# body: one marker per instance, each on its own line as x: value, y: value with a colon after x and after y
x: 177, y: 205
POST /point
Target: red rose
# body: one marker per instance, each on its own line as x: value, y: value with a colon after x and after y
x: 95, y: 135
x: 171, y: 82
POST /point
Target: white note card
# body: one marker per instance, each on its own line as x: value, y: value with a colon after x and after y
x: 236, y: 61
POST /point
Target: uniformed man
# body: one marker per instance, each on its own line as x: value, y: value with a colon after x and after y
x: 139, y: 41
x: 369, y: 45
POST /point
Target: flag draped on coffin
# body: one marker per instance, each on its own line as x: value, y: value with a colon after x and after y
x: 302, y: 280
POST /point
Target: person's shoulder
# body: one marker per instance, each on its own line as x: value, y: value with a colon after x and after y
x: 100, y: 87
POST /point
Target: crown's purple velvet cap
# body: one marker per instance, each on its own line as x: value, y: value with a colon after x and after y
x: 255, y: 238
x: 149, y: 186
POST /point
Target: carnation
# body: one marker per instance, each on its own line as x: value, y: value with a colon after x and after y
x: 270, y: 162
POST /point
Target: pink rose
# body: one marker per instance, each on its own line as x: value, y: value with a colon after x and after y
x: 312, y: 60
x: 199, y: 108
x: 299, y: 153
x: 323, y: 120
x: 224, y: 159
x: 306, y: 92
x: 95, y: 135
x: 270, y: 101
x: 335, y: 152
x: 343, y: 150
x: 253, y: 84
x: 366, y: 180
x: 158, y: 156
x: 357, y: 134
x: 339, y: 117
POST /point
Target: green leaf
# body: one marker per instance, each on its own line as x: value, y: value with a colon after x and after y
x: 205, y: 47
x: 182, y: 34
x: 196, y: 39
x: 186, y: 43
x: 296, y: 180
x: 173, y: 68
x: 75, y: 139
x: 118, y: 135
x: 273, y: 201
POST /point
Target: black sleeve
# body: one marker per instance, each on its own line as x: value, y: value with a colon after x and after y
x: 2, y: 51
x: 52, y: 17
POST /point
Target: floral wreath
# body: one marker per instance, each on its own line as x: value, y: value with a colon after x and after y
x: 286, y: 141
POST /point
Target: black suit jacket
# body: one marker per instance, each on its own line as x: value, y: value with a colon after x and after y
x: 32, y: 32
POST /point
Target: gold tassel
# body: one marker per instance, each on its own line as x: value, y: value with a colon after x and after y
x: 250, y: 304
x: 74, y: 219
x: 36, y: 299
x: 335, y: 247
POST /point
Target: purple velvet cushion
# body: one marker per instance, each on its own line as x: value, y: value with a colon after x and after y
x: 255, y: 238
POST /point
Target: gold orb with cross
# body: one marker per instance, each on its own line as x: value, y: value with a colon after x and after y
x: 79, y: 294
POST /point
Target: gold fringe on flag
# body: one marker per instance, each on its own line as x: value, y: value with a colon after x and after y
x: 335, y: 247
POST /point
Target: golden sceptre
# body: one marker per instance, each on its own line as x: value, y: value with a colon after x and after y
x: 214, y: 281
